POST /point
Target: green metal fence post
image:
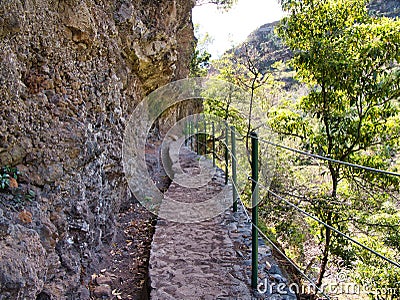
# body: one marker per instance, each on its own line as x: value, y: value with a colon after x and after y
x: 234, y: 175
x: 254, y: 213
x: 213, y: 142
x: 226, y: 152
x: 205, y: 137
x: 186, y: 132
x: 197, y: 135
x: 190, y: 134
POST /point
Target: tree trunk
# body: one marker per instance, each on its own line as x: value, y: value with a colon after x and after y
x: 325, y: 256
x: 250, y: 117
x: 328, y: 232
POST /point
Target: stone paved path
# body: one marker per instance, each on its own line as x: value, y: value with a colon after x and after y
x: 206, y: 259
x: 194, y: 260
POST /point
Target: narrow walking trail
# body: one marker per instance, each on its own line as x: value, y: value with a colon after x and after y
x: 196, y: 260
x: 201, y: 249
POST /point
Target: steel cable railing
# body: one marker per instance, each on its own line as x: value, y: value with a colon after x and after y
x: 320, y: 157
x: 278, y: 249
x: 232, y: 155
x: 256, y: 184
x: 327, y: 225
x: 315, y: 218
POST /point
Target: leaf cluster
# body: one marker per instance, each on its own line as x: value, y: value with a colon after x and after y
x: 6, y: 174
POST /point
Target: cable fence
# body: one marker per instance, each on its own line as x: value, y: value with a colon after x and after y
x: 200, y: 145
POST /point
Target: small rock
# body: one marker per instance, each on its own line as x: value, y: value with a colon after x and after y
x: 103, y: 280
x: 275, y: 270
x: 25, y: 217
x: 111, y: 275
x: 232, y: 227
x: 239, y: 253
x: 4, y: 225
x: 278, y: 278
x: 102, y: 291
x: 247, y: 262
x: 84, y: 293
x: 264, y: 250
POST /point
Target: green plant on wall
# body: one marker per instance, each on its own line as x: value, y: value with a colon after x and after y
x: 8, y: 177
x: 4, y: 181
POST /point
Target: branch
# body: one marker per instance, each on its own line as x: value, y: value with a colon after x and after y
x: 290, y: 134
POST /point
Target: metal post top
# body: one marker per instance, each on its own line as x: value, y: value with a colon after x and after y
x: 253, y: 134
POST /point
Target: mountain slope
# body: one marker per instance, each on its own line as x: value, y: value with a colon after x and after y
x: 387, y: 8
x: 271, y: 49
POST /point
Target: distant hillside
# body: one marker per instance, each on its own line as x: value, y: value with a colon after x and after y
x: 267, y: 44
x: 272, y: 49
x: 387, y: 8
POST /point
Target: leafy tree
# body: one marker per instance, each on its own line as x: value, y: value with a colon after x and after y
x: 239, y: 98
x: 201, y: 57
x: 222, y: 96
x: 244, y: 68
x: 251, y: 76
x: 350, y: 62
x: 199, y: 63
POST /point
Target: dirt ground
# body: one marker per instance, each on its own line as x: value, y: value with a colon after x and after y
x: 124, y: 273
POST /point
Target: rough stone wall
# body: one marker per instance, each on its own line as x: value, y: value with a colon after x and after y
x: 71, y: 72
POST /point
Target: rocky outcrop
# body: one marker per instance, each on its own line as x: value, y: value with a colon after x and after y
x: 71, y: 72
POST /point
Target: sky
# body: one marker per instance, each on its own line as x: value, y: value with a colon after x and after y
x: 232, y: 27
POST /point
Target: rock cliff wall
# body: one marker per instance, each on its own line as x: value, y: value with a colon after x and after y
x: 71, y: 72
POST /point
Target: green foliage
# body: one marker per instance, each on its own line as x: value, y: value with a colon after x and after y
x: 350, y: 61
x: 6, y: 173
x: 11, y: 171
x: 350, y: 64
x: 4, y: 181
x: 286, y: 122
x: 379, y: 279
x: 222, y: 96
x: 17, y: 195
x: 199, y: 63
x: 30, y: 196
x: 242, y: 70
x: 201, y: 57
